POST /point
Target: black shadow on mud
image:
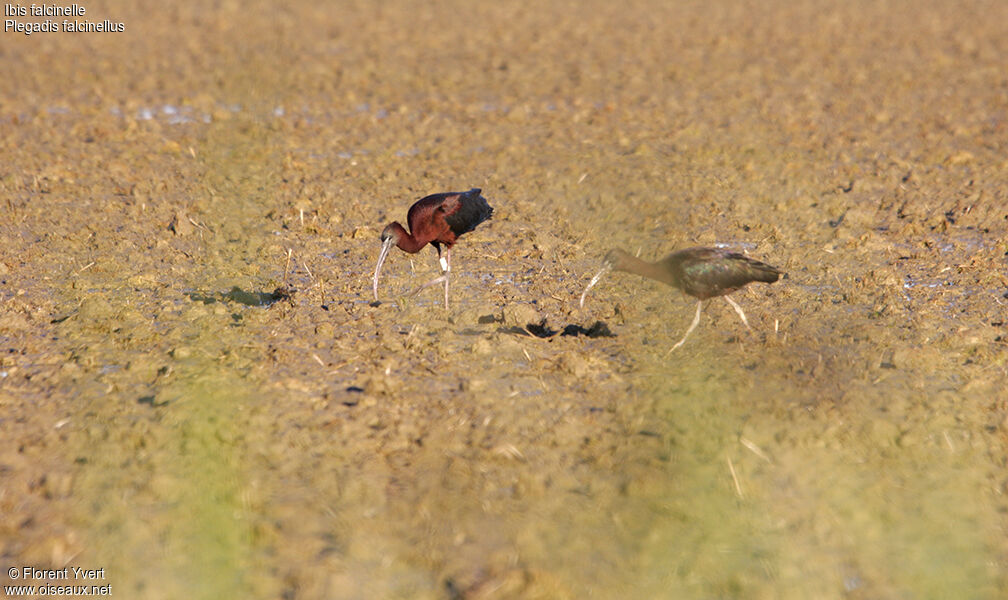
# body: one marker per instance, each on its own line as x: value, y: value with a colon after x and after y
x: 542, y: 330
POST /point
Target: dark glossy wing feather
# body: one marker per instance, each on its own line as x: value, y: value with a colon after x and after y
x: 466, y: 211
x: 710, y: 272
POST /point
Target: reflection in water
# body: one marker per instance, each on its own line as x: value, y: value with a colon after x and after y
x: 240, y: 296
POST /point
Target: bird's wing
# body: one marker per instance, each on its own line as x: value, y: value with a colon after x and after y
x: 466, y: 210
x: 425, y: 210
x: 708, y: 271
x: 715, y: 272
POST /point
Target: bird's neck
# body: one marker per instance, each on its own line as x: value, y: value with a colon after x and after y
x: 657, y: 271
x: 405, y: 241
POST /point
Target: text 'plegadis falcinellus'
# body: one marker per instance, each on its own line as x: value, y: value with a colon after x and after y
x: 436, y: 219
x: 700, y: 272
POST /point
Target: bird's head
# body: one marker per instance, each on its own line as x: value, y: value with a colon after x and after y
x: 615, y: 258
x: 389, y: 233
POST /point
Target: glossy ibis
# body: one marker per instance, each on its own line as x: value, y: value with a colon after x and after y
x: 699, y: 272
x: 438, y: 219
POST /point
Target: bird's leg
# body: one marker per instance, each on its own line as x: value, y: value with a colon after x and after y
x: 738, y: 309
x: 696, y: 321
x: 446, y: 266
x: 445, y: 261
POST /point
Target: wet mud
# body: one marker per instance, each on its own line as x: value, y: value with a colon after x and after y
x: 199, y: 395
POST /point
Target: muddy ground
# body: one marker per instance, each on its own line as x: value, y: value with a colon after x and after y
x: 163, y: 420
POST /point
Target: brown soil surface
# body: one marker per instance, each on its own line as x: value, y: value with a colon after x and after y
x: 165, y: 422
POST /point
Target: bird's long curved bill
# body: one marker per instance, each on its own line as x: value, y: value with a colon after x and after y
x: 593, y: 281
x: 386, y: 246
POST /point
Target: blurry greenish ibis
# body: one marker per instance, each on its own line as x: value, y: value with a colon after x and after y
x: 699, y: 272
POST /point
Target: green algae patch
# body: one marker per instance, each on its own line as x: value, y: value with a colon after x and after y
x: 177, y: 524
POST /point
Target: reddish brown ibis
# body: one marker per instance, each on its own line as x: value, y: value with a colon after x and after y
x: 699, y: 272
x: 438, y: 220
